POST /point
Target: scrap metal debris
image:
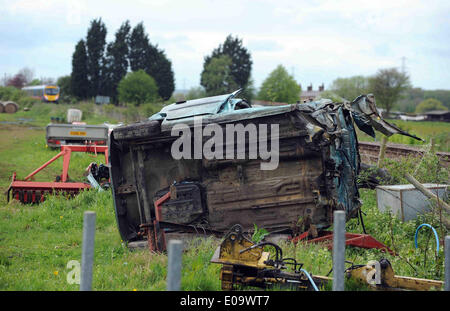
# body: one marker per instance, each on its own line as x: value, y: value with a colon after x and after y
x: 317, y: 172
x: 246, y: 263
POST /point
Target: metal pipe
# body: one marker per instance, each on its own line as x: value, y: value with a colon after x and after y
x: 45, y: 165
x: 338, y: 251
x: 87, y: 257
x: 66, y: 163
x: 447, y: 263
x: 175, y: 251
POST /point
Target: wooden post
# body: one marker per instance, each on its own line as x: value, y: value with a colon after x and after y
x: 382, y: 152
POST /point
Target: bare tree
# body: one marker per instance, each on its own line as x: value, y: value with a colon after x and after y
x: 47, y: 80
x: 27, y: 73
x: 4, y: 79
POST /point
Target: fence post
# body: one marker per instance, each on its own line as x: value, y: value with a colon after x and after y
x: 382, y: 152
x: 338, y: 251
x: 87, y: 256
x: 174, y: 253
x: 447, y: 263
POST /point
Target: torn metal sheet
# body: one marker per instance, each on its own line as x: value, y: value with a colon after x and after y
x: 316, y: 174
x: 366, y: 115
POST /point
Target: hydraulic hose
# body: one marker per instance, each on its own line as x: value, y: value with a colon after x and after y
x: 310, y: 279
x: 435, y: 235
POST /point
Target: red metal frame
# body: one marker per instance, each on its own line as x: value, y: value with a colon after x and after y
x: 32, y: 190
x: 351, y: 239
x: 155, y: 236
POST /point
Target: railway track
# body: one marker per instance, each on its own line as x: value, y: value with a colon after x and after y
x: 369, y: 152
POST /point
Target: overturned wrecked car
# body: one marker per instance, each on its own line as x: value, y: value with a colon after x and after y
x: 215, y: 162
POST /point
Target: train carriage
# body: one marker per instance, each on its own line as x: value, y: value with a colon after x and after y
x: 46, y: 93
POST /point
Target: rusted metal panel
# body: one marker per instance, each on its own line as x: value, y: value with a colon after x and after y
x: 316, y: 174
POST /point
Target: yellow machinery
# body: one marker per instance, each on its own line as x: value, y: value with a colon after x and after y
x: 387, y: 280
x: 248, y: 264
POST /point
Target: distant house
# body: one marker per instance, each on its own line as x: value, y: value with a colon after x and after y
x: 406, y: 117
x: 305, y: 96
x: 309, y: 94
x: 438, y: 115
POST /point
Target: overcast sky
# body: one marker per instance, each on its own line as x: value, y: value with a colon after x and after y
x: 316, y: 41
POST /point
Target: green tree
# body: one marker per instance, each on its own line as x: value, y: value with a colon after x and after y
x: 137, y: 88
x: 79, y: 82
x: 429, y: 105
x: 144, y: 55
x: 280, y: 86
x: 216, y: 77
x: 95, y: 46
x: 414, y: 96
x: 64, y: 84
x: 409, y: 99
x: 441, y: 95
x: 161, y: 70
x: 350, y: 88
x: 116, y: 60
x: 139, y: 48
x: 240, y: 66
x: 387, y: 86
x: 249, y: 91
x: 35, y: 82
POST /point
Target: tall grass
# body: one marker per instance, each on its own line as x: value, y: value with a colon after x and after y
x: 37, y: 241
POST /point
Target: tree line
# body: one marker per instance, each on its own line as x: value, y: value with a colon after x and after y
x: 131, y: 69
x: 102, y: 69
x: 98, y: 67
x: 392, y: 90
x: 24, y: 77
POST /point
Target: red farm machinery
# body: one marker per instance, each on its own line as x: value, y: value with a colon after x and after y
x: 28, y: 191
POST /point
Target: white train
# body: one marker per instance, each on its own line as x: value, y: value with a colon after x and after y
x: 47, y: 93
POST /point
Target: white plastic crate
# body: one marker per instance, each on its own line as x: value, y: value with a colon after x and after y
x: 74, y: 115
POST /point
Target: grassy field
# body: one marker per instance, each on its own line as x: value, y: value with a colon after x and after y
x: 38, y: 241
x: 439, y: 131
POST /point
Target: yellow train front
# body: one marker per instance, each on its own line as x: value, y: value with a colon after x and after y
x: 45, y: 93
